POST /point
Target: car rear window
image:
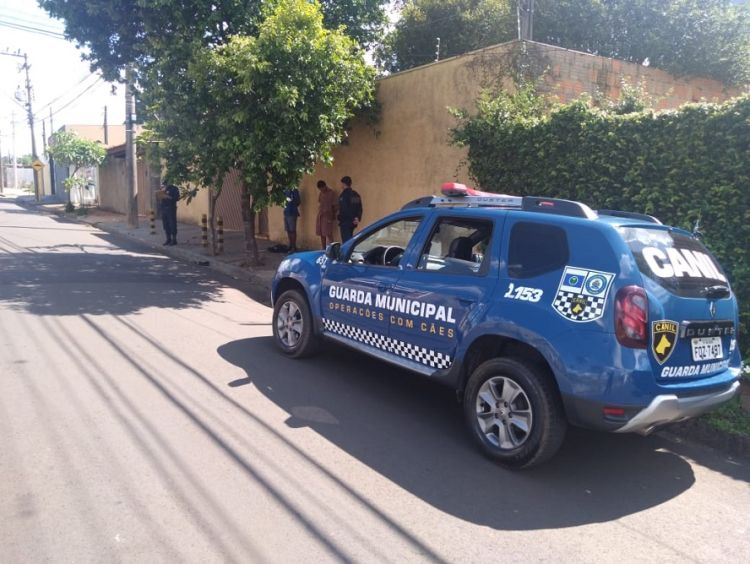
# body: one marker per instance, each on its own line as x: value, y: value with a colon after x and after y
x: 676, y: 261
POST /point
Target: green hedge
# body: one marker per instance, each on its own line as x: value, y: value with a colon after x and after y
x: 677, y: 165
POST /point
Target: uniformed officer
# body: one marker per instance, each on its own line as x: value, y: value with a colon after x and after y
x: 350, y: 209
x: 170, y: 195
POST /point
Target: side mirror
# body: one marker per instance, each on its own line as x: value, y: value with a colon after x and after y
x: 333, y: 251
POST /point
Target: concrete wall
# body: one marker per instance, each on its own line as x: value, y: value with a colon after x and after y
x: 407, y: 154
x: 410, y: 155
x: 115, y: 133
x: 192, y: 212
x: 113, y: 189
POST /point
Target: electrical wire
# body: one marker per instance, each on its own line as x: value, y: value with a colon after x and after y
x: 31, y: 21
x: 64, y: 94
x: 32, y: 29
x: 70, y: 102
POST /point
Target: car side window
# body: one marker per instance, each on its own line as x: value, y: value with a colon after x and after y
x: 385, y: 246
x: 535, y: 249
x: 457, y: 246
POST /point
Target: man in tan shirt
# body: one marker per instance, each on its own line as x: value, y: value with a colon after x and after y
x: 328, y: 204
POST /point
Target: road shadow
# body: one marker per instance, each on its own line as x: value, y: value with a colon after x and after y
x: 96, y: 279
x: 411, y: 431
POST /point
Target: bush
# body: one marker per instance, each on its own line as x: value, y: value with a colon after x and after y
x: 681, y: 166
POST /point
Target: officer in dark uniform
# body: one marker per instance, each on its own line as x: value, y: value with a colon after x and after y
x: 169, y: 197
x: 350, y: 209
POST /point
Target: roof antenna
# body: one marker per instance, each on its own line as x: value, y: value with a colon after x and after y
x: 697, y: 233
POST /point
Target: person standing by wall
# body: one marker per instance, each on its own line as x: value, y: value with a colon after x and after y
x: 327, y: 210
x: 168, y: 197
x: 350, y: 209
x: 291, y: 213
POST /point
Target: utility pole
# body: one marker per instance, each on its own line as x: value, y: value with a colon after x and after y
x: 51, y: 162
x: 30, y: 116
x: 2, y: 167
x: 106, y: 128
x: 525, y: 14
x: 131, y: 160
x: 13, y: 146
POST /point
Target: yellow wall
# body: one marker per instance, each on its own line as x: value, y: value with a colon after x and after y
x: 407, y: 154
x: 115, y: 133
x: 411, y: 156
x: 192, y: 212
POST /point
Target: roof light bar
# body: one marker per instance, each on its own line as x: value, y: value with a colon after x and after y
x: 460, y: 194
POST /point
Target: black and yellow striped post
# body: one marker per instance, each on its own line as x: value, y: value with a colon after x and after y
x: 220, y: 235
x: 204, y: 230
x: 152, y: 224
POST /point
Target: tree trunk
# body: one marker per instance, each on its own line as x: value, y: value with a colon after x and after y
x: 213, y: 197
x: 248, y: 219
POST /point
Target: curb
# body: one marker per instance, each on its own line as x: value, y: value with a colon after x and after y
x: 700, y: 432
x: 184, y: 255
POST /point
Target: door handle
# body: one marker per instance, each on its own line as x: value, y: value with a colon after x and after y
x: 384, y: 287
x: 467, y: 301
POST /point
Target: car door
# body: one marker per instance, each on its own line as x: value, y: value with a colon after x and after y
x: 446, y: 288
x: 354, y: 288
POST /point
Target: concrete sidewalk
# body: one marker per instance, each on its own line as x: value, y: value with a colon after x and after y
x: 233, y: 262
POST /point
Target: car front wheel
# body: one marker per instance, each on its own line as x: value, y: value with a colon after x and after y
x: 293, y: 325
x: 514, y: 412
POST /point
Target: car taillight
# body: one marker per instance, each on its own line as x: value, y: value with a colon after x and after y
x: 631, y: 317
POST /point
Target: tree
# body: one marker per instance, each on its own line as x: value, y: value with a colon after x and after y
x: 70, y: 150
x: 461, y: 25
x: 696, y: 37
x: 280, y: 101
x: 161, y: 38
x: 685, y: 37
x: 115, y: 33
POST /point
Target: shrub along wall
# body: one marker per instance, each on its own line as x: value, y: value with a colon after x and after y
x: 681, y: 165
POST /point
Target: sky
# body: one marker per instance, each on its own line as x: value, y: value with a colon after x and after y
x: 60, y: 79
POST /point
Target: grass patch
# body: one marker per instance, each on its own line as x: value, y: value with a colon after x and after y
x: 730, y: 418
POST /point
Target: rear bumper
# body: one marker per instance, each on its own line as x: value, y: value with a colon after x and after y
x: 669, y: 408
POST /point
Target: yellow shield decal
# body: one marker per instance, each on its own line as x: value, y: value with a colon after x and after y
x: 663, y: 339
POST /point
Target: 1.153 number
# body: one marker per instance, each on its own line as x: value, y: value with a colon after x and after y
x: 523, y: 293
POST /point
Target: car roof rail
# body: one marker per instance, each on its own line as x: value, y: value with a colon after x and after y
x: 630, y: 215
x: 455, y: 194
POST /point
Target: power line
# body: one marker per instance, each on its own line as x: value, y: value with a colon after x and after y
x: 32, y: 29
x: 69, y: 103
x: 64, y: 94
x: 29, y: 20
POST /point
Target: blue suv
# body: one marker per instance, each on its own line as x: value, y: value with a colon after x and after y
x: 539, y: 312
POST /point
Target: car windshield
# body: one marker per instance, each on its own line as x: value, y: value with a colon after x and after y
x: 676, y: 261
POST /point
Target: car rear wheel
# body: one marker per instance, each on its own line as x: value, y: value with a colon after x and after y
x: 293, y: 325
x: 514, y: 412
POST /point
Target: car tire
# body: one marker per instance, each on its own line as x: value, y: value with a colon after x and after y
x: 514, y: 412
x: 292, y: 324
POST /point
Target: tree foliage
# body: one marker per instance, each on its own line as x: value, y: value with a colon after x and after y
x: 270, y: 105
x: 696, y: 37
x: 461, y: 25
x: 680, y: 166
x: 70, y: 150
x: 685, y: 37
x: 281, y: 99
x: 116, y: 33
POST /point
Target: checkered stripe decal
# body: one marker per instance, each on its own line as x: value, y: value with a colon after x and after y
x: 430, y: 358
x: 593, y: 309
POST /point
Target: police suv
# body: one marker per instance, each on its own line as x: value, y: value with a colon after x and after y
x: 539, y: 312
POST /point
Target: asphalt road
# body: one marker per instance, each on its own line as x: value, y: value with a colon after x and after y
x: 146, y: 417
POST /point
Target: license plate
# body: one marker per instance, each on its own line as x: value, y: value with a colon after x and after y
x: 707, y: 348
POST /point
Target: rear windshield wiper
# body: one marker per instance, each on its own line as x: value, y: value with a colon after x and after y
x: 716, y: 292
